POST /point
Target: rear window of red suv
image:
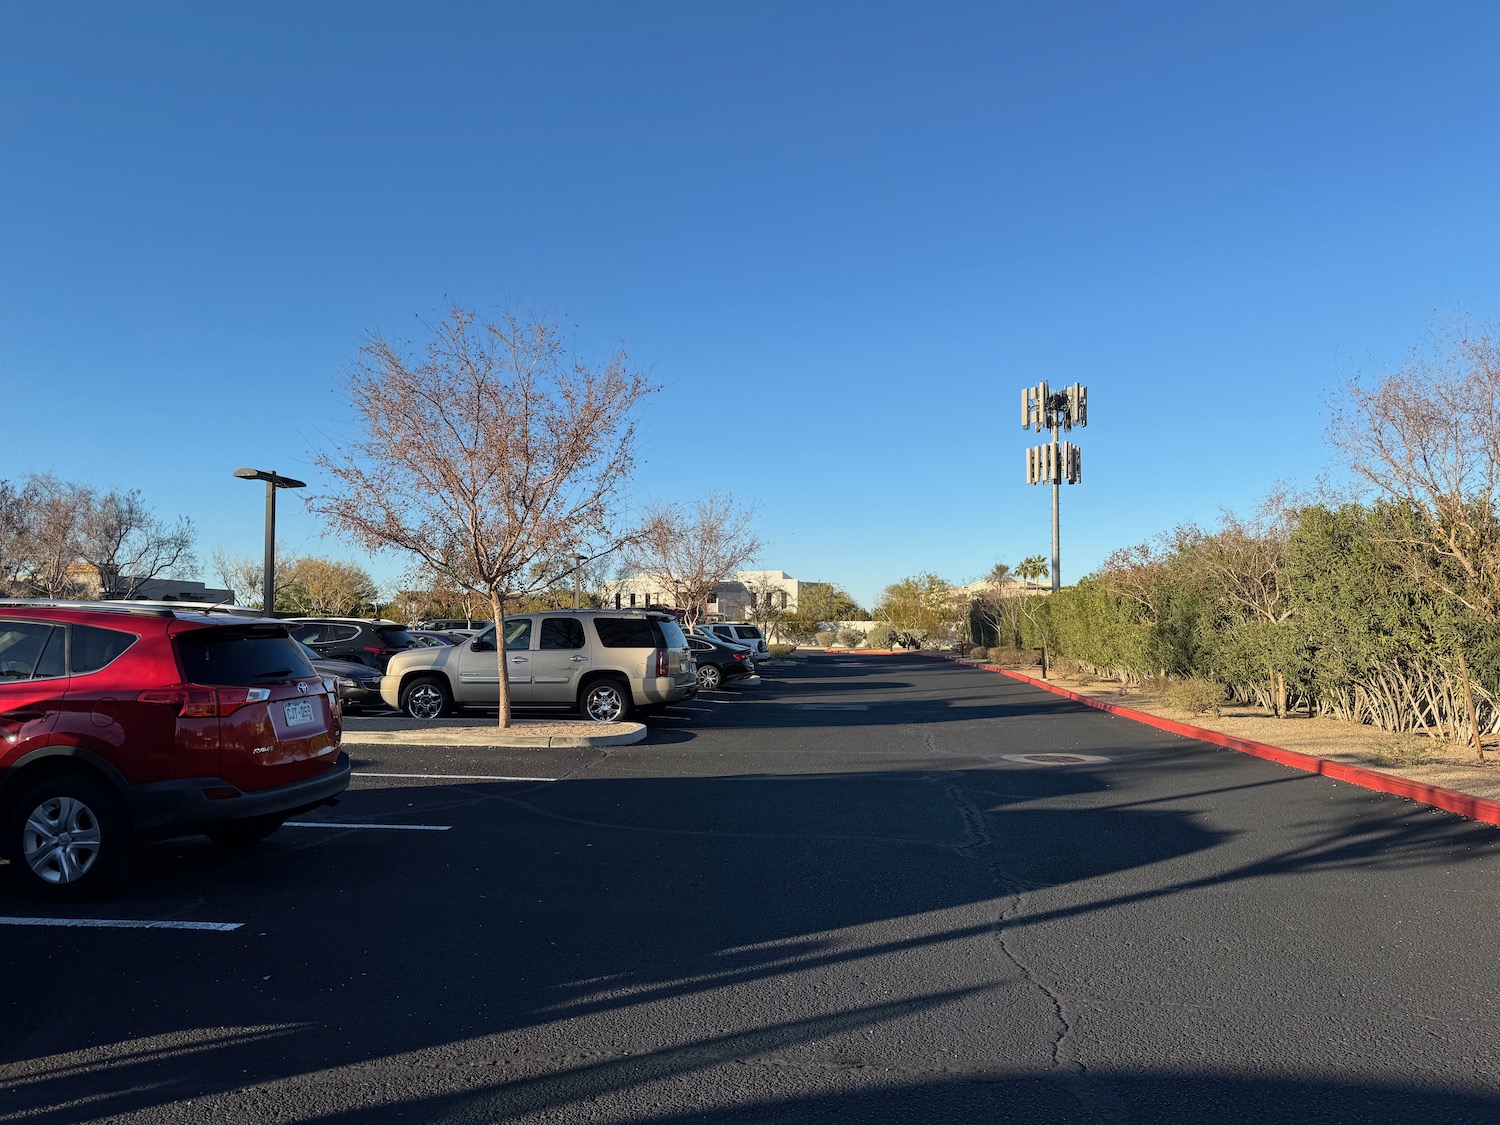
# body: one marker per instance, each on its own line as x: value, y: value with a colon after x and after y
x: 239, y: 657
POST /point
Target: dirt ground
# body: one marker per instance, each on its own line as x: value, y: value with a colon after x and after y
x: 1415, y: 757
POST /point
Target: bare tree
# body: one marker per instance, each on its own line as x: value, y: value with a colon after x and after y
x: 1427, y: 436
x: 489, y: 459
x: 13, y: 543
x: 692, y: 548
x: 128, y: 546
x: 54, y: 513
x: 768, y: 604
x: 243, y: 575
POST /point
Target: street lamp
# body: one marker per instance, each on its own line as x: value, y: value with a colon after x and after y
x: 578, y: 580
x: 273, y: 482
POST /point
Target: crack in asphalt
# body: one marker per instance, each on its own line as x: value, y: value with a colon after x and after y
x: 978, y: 846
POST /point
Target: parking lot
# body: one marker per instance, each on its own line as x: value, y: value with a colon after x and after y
x: 836, y: 895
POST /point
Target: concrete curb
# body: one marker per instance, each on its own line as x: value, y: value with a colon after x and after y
x: 1449, y: 800
x: 535, y: 735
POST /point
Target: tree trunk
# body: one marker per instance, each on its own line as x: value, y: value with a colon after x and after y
x: 1463, y: 669
x: 497, y: 611
x: 1281, y: 707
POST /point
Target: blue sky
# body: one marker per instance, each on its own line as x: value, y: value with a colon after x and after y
x: 843, y: 236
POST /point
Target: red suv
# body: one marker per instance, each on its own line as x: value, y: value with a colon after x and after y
x: 121, y: 722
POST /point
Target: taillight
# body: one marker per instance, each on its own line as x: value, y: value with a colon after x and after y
x: 740, y: 656
x: 661, y: 662
x: 206, y: 703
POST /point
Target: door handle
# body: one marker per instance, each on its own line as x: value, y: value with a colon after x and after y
x: 578, y: 659
x: 518, y: 660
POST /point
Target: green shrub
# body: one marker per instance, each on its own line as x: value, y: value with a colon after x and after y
x: 851, y: 637
x: 825, y: 639
x: 1195, y: 695
x: 779, y: 651
x: 880, y: 635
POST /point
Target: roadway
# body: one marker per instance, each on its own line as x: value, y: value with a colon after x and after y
x: 836, y: 897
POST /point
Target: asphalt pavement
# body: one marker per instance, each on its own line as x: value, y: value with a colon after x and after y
x: 844, y: 895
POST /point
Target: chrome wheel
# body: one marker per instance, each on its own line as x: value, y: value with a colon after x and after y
x: 604, y: 703
x: 426, y: 701
x: 61, y: 840
x: 709, y: 676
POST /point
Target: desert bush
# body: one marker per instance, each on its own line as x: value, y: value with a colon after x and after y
x: 778, y: 651
x: 979, y: 652
x: 1008, y: 657
x: 851, y: 637
x: 1195, y: 695
x: 911, y: 638
x: 825, y: 639
x: 1403, y: 750
x: 880, y: 635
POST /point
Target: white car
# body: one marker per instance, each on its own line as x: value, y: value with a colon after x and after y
x: 739, y: 633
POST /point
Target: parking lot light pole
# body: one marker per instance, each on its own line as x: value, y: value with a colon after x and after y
x: 578, y: 580
x: 273, y: 482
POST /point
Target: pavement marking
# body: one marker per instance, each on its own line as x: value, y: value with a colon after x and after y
x: 347, y: 824
x: 830, y: 706
x: 121, y: 924
x: 452, y: 776
x: 1055, y: 758
x: 680, y: 707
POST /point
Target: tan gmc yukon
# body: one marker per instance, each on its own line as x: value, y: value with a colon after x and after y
x: 603, y: 663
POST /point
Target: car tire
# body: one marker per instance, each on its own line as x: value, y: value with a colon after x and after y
x: 605, y: 701
x: 710, y: 677
x: 70, y: 838
x: 245, y: 832
x: 426, y: 699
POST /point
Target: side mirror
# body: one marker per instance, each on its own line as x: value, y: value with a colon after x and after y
x: 482, y: 645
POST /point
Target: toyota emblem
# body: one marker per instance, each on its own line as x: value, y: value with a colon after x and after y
x: 302, y: 688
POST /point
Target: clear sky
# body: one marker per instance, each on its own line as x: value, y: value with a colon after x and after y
x: 843, y: 236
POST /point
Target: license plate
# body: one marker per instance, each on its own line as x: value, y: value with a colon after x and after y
x: 299, y: 712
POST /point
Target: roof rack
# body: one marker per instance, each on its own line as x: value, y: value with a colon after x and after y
x: 139, y: 608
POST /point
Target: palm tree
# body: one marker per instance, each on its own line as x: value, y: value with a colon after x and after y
x: 1033, y: 566
x: 999, y: 575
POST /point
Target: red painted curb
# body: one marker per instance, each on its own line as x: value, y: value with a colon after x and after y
x: 1449, y: 800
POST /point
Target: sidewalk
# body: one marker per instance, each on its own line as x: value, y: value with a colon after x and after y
x: 538, y: 734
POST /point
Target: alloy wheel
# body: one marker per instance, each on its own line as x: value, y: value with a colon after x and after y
x: 61, y: 840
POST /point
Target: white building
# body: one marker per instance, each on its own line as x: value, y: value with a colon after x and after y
x: 731, y: 601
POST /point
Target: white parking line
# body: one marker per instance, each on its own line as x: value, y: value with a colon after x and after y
x: 452, y: 776
x: 684, y: 707
x: 346, y: 824
x: 121, y: 924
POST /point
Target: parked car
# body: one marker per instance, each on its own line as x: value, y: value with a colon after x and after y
x: 444, y: 625
x: 604, y: 663
x: 121, y: 721
x: 367, y: 640
x: 738, y: 633
x: 719, y: 662
x: 358, y: 684
x: 430, y: 638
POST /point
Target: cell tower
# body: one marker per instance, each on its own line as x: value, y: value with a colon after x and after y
x: 1057, y: 461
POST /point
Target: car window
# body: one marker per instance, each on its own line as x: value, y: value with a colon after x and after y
x: 308, y: 634
x: 393, y: 636
x: 745, y: 633
x: 241, y: 656
x: 699, y: 646
x: 54, y: 659
x: 518, y: 633
x: 341, y: 633
x: 625, y: 632
x: 672, y: 633
x: 93, y: 648
x: 21, y: 647
x: 562, y: 632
